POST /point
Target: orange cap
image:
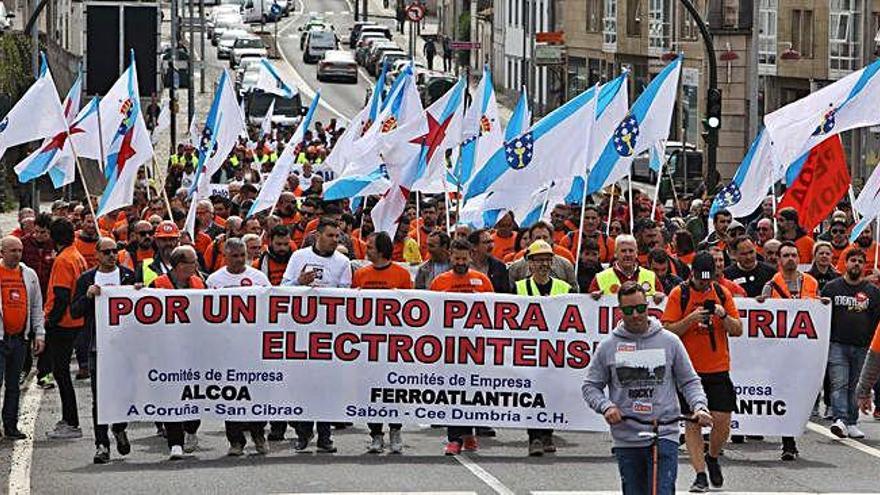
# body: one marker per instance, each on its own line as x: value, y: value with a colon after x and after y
x: 167, y: 230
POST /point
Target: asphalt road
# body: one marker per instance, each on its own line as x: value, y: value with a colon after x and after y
x: 583, y: 465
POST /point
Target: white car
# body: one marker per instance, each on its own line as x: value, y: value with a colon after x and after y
x: 224, y: 46
x: 338, y: 64
x: 224, y: 24
x: 248, y: 45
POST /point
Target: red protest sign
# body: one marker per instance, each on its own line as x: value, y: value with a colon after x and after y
x: 823, y: 181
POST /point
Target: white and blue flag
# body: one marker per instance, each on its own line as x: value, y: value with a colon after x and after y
x: 270, y: 81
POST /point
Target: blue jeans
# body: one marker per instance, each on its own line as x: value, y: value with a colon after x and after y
x: 12, y: 352
x: 844, y: 366
x: 636, y: 466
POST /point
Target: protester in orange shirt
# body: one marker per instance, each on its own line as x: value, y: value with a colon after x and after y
x: 789, y: 283
x: 764, y: 232
x: 504, y: 237
x: 592, y: 224
x: 790, y: 230
x: 382, y: 274
x: 544, y: 231
x: 560, y: 220
x: 428, y: 224
x: 214, y: 258
x: 87, y: 240
x: 839, y: 241
x: 865, y: 242
x: 62, y: 329
x: 703, y: 314
x: 461, y: 279
x: 140, y: 248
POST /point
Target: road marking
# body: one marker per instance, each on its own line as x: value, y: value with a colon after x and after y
x: 611, y: 492
x: 23, y: 450
x: 817, y: 428
x: 382, y: 493
x: 486, y: 477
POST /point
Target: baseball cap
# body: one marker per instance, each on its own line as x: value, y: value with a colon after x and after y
x: 703, y: 267
x: 167, y: 230
x: 539, y: 247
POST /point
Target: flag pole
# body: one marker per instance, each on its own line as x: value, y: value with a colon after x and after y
x: 632, y: 214
x: 773, y: 195
x: 657, y: 190
x: 580, y: 230
x: 852, y: 203
x: 876, y: 244
x: 164, y: 192
x: 447, y: 204
x: 610, y: 210
x: 418, y: 216
x: 82, y: 179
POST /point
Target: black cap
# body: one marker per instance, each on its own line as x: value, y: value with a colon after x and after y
x: 703, y: 267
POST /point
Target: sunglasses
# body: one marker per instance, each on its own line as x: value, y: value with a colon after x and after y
x: 838, y: 231
x: 108, y: 251
x: 629, y: 310
x: 145, y: 233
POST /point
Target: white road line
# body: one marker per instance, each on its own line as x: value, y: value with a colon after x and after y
x: 23, y: 450
x: 817, y: 428
x: 382, y: 493
x: 486, y: 477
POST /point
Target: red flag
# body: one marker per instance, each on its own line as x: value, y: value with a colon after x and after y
x: 823, y: 181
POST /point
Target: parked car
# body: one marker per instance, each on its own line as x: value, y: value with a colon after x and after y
x: 338, y: 64
x: 248, y: 45
x: 356, y: 32
x: 376, y: 53
x: 388, y: 58
x: 218, y: 13
x: 364, y: 44
x: 318, y: 42
x: 248, y: 80
x: 260, y: 11
x: 224, y: 46
x: 378, y: 29
x: 225, y: 24
x: 433, y: 85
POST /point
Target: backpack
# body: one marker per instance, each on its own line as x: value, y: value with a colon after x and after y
x: 686, y: 295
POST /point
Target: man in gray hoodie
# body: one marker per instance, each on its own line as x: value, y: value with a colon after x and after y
x: 642, y: 365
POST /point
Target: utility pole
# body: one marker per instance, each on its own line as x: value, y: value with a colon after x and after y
x: 174, y: 78
x: 35, y: 59
x: 190, y: 96
x: 202, y: 47
x: 713, y: 99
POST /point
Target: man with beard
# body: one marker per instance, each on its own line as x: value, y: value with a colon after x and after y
x: 214, y: 258
x: 428, y: 223
x: 504, y: 237
x: 274, y: 261
x: 461, y: 278
x: 789, y: 283
x: 166, y: 239
x: 749, y: 273
x: 855, y: 312
x: 438, y: 250
x: 483, y: 261
x: 86, y: 240
x: 721, y: 220
x: 592, y: 224
x: 588, y: 264
x: 865, y: 243
x: 839, y: 241
x: 140, y: 248
x: 39, y: 254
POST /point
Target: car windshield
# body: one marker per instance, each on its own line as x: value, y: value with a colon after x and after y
x: 248, y: 43
x: 231, y: 36
x: 259, y: 105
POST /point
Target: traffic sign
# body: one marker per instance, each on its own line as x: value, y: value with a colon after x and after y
x: 415, y: 12
x: 550, y: 37
x: 464, y: 45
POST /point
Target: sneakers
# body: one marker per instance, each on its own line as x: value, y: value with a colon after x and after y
x: 701, y: 484
x: 549, y: 446
x: 789, y: 454
x: 452, y: 448
x: 838, y: 429
x: 235, y: 450
x: 102, y: 455
x: 64, y: 431
x: 123, y: 446
x: 536, y: 448
x: 82, y: 374
x: 396, y: 441
x: 377, y: 445
x: 470, y: 443
x: 260, y: 444
x: 325, y: 446
x: 828, y: 413
x: 715, y: 475
x: 176, y: 453
x: 190, y: 442
x: 301, y: 443
x: 853, y: 431
x: 47, y: 382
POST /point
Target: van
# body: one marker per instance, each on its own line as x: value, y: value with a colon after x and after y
x: 260, y: 11
x: 286, y: 113
x: 318, y: 42
x: 684, y: 163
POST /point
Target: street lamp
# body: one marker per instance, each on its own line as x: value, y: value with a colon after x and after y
x: 713, y: 99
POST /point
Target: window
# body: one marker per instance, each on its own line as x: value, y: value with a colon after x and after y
x: 844, y: 37
x: 509, y: 12
x: 688, y: 28
x: 802, y: 32
x: 609, y: 25
x: 767, y: 36
x: 634, y: 18
x: 594, y: 16
x: 658, y: 26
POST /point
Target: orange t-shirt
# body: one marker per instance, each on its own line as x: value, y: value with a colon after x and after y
x: 88, y: 250
x: 606, y: 245
x: 214, y: 257
x: 15, y: 301
x: 392, y: 276
x: 503, y: 245
x: 202, y: 242
x: 473, y: 281
x: 696, y: 339
x: 869, y: 258
x: 69, y: 265
x: 875, y: 342
x: 805, y: 249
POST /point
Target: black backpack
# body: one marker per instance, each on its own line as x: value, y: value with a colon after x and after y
x: 686, y: 295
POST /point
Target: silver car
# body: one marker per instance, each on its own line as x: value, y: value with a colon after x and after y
x: 338, y: 64
x: 224, y: 47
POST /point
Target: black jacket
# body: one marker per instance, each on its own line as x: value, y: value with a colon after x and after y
x: 84, y: 307
x: 498, y: 275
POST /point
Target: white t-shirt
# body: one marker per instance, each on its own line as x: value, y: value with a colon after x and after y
x: 332, y: 271
x: 248, y: 278
x: 105, y: 279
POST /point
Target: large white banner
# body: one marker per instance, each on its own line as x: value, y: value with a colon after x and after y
x: 412, y: 357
